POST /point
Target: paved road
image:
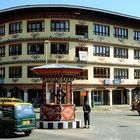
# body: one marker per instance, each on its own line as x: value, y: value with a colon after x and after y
x: 106, y: 125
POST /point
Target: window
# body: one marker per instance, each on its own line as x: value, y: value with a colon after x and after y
x: 120, y: 53
x: 31, y: 74
x: 120, y: 33
x: 136, y: 54
x: 2, y: 30
x: 102, y: 30
x: 120, y: 73
x: 15, y: 49
x: 136, y: 35
x: 15, y: 27
x: 2, y: 51
x: 137, y: 74
x: 59, y: 48
x: 80, y: 49
x: 83, y: 75
x: 101, y: 51
x: 60, y: 25
x: 82, y: 30
x: 101, y: 72
x: 7, y: 111
x: 15, y: 72
x: 35, y: 26
x: 23, y: 110
x: 35, y: 48
x: 2, y: 73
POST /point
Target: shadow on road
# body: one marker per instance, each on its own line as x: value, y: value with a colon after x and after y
x: 19, y: 135
x: 132, y: 115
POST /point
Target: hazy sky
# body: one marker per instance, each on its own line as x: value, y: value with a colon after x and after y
x: 129, y: 7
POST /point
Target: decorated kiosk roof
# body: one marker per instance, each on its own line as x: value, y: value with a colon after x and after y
x: 51, y: 69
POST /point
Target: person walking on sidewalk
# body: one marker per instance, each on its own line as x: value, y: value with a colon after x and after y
x: 87, y: 110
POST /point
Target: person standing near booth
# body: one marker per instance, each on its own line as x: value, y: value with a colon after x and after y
x: 87, y: 110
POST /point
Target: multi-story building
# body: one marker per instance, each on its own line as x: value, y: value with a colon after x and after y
x: 105, y: 44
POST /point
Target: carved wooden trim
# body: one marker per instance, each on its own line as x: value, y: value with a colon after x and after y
x: 121, y: 40
x: 15, y: 80
x: 14, y: 57
x: 34, y: 35
x: 101, y: 38
x: 81, y: 22
x: 68, y: 39
x: 15, y: 36
x: 35, y: 56
x: 35, y: 80
x: 59, y: 34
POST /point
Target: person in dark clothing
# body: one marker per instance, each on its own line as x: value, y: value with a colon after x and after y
x: 87, y: 110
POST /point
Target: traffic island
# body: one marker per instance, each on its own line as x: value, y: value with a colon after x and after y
x: 59, y: 112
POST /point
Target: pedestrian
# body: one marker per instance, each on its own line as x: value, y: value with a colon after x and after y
x: 87, y: 110
x: 134, y: 104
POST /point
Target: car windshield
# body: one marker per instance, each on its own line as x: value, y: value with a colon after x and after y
x: 24, y: 109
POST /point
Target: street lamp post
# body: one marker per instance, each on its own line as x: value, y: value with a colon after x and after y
x: 45, y: 86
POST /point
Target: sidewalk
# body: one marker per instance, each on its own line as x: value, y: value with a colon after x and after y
x: 102, y: 109
x: 105, y: 109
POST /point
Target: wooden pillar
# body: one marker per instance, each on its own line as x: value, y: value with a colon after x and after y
x: 43, y: 95
x: 70, y: 92
x: 55, y: 91
x: 89, y: 98
x: 43, y: 99
x: 25, y: 95
x: 110, y: 97
x: 67, y: 94
x: 129, y: 96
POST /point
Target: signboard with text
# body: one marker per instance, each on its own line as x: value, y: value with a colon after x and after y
x: 83, y: 93
x: 83, y: 55
x: 117, y: 81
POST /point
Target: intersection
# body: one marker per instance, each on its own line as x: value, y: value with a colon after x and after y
x: 119, y: 124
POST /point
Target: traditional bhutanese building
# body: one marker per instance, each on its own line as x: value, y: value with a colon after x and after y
x: 105, y: 44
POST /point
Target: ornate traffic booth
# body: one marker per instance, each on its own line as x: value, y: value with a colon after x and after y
x: 57, y: 83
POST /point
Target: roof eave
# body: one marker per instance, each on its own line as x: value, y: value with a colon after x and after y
x: 69, y: 6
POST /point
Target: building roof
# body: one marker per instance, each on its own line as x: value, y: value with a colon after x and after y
x: 56, y: 68
x: 69, y: 7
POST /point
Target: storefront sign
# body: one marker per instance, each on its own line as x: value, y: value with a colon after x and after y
x: 83, y: 93
x: 107, y: 81
x: 83, y: 55
x: 117, y: 81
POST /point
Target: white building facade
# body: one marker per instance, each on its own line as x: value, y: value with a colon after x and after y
x: 105, y: 44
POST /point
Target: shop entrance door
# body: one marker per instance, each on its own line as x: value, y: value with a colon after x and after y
x: 97, y: 97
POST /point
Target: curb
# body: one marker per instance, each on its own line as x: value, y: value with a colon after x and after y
x: 58, y: 124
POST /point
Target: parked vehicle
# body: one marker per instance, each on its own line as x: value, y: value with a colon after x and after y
x: 16, y: 117
x: 138, y: 106
x: 6, y: 99
x: 134, y: 104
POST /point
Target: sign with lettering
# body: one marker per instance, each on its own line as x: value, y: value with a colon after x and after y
x: 117, y: 81
x: 107, y: 81
x: 83, y: 93
x: 83, y: 55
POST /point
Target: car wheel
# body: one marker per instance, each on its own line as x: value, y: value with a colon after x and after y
x: 27, y: 133
x: 8, y: 132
